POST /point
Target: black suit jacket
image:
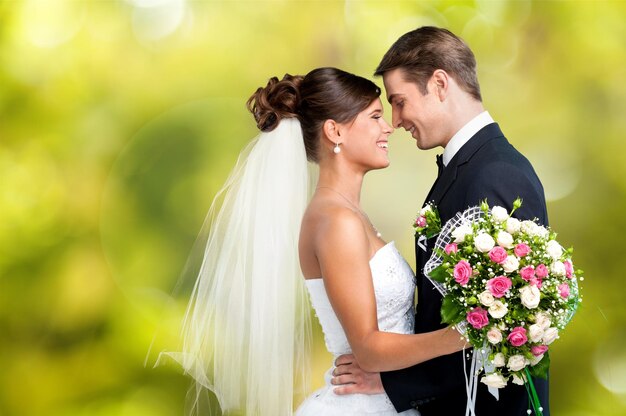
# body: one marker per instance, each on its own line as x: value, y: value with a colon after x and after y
x: 486, y: 167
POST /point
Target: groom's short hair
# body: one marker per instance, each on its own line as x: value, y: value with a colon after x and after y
x: 424, y: 50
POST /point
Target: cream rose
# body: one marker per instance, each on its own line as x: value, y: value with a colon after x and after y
x: 535, y: 333
x: 554, y: 250
x: 542, y: 319
x: 486, y: 298
x: 513, y: 225
x: 511, y: 264
x: 550, y: 335
x: 517, y: 362
x: 542, y: 231
x: 498, y: 360
x: 494, y: 335
x: 460, y: 232
x: 494, y: 380
x: 424, y: 210
x: 498, y: 309
x: 558, y: 268
x: 505, y: 239
x: 529, y: 227
x: 499, y: 214
x: 484, y: 242
x: 518, y: 380
x: 530, y: 296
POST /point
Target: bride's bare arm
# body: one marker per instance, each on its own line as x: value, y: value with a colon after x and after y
x: 342, y: 248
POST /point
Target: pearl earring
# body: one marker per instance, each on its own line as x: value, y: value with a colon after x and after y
x: 337, y: 150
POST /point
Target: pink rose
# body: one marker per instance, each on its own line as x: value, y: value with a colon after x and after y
x: 521, y: 250
x: 564, y: 290
x: 569, y: 268
x: 538, y: 350
x: 477, y: 317
x: 527, y: 273
x: 499, y: 285
x: 541, y: 271
x: 535, y: 282
x: 421, y: 221
x: 451, y: 248
x: 498, y: 255
x: 517, y: 337
x: 462, y: 272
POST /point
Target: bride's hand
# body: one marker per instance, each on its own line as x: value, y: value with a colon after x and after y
x: 352, y: 379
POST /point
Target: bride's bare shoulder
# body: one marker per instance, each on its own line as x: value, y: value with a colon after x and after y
x: 325, y: 213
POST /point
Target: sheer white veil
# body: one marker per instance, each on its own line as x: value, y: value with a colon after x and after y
x: 246, y: 331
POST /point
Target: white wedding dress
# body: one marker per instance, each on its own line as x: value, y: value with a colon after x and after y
x: 394, y: 288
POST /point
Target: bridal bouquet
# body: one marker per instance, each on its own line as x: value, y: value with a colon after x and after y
x: 509, y: 286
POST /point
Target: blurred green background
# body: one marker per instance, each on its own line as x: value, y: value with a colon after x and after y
x: 119, y: 120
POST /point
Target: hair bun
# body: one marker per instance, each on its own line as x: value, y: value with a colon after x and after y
x: 278, y: 100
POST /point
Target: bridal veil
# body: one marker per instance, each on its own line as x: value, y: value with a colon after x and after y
x: 246, y: 330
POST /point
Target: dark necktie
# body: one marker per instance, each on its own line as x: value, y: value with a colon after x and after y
x: 439, y: 165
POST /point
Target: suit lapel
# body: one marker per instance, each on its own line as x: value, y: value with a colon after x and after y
x: 449, y: 174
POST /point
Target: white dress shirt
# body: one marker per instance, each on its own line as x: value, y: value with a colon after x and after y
x: 462, y: 136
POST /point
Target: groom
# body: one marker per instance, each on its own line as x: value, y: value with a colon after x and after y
x: 431, y: 84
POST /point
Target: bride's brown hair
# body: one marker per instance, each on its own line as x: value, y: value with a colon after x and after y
x: 323, y: 94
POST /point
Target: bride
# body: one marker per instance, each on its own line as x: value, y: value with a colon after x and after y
x: 246, y: 329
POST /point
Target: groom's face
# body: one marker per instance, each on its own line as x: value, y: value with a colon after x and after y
x: 419, y: 114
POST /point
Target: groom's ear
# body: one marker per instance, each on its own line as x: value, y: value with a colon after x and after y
x: 440, y: 82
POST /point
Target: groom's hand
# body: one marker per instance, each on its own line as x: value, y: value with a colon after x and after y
x: 351, y: 379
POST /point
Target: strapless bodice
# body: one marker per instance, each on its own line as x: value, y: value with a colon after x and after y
x: 394, y: 285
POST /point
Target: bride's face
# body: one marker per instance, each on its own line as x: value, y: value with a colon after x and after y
x: 367, y: 138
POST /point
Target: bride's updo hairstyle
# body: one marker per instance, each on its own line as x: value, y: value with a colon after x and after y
x: 323, y: 94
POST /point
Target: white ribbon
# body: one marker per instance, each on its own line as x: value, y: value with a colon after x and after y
x: 421, y: 242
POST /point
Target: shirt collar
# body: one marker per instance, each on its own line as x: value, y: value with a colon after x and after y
x: 462, y: 136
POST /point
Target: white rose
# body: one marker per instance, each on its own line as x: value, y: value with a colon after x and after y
x: 498, y: 360
x: 484, y: 242
x: 517, y: 362
x: 550, y: 335
x: 513, y: 225
x: 529, y: 227
x: 535, y: 360
x: 494, y: 336
x: 498, y: 309
x: 542, y: 231
x: 505, y: 239
x: 535, y: 333
x: 542, y: 319
x: 530, y: 296
x: 460, y: 232
x: 494, y: 380
x: 557, y: 268
x: 486, y: 298
x: 511, y: 264
x: 554, y: 250
x: 426, y: 209
x: 518, y: 380
x: 499, y: 214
